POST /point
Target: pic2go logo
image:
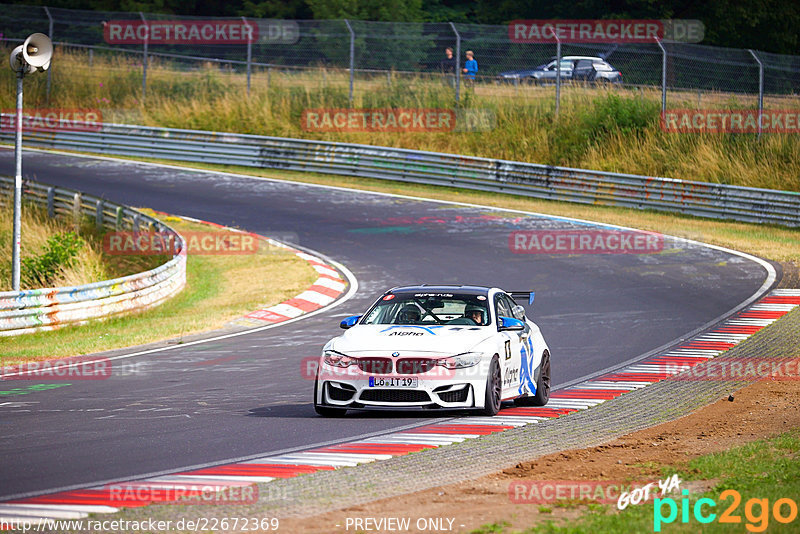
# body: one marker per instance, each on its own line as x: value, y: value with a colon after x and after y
x: 756, y: 511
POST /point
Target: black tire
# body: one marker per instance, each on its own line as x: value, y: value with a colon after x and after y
x: 326, y: 411
x: 494, y: 389
x: 542, y: 386
x: 543, y: 382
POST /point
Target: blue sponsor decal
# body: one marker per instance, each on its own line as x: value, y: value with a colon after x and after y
x: 526, y: 373
x: 428, y: 329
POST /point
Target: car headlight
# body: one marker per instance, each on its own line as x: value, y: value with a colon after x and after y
x: 337, y: 359
x: 461, y: 361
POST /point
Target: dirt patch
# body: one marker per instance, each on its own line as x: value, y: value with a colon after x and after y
x: 761, y: 410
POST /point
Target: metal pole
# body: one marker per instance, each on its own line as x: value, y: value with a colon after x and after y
x: 352, y: 57
x: 663, y: 77
x: 17, y: 186
x: 458, y: 63
x: 144, y: 61
x: 249, y: 55
x: 760, y: 89
x: 50, y: 70
x: 558, y: 74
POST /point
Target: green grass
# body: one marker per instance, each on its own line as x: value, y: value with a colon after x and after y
x: 768, y: 469
x: 218, y: 289
x: 610, y: 129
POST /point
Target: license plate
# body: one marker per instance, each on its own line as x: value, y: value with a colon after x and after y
x: 393, y: 382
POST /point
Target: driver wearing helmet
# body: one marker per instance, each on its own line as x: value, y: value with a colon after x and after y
x: 476, y: 313
x: 409, y: 314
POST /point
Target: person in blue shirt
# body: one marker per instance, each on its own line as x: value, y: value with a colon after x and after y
x: 470, y: 67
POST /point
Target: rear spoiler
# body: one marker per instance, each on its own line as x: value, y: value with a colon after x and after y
x: 528, y: 295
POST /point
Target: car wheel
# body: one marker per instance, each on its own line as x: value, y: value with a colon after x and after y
x: 326, y: 411
x: 543, y: 382
x: 494, y: 386
x: 542, y: 386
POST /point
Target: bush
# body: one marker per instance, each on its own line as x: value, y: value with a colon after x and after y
x: 60, y: 252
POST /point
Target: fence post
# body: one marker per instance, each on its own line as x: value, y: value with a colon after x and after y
x: 352, y: 57
x: 118, y: 218
x: 663, y: 77
x: 144, y: 60
x: 249, y: 54
x: 760, y: 89
x: 50, y: 70
x: 558, y: 73
x: 458, y: 62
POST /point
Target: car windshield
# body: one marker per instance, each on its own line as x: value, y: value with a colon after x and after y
x: 429, y: 309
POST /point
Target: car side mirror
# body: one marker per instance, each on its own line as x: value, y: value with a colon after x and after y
x: 510, y: 324
x: 349, y: 322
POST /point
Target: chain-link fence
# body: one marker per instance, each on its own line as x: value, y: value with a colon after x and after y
x: 370, y: 55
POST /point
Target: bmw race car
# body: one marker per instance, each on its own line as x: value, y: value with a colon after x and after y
x: 451, y: 347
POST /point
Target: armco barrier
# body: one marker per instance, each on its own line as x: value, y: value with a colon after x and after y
x: 485, y: 174
x: 45, y: 309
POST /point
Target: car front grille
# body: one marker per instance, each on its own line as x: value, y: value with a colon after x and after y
x: 459, y: 395
x: 415, y: 366
x: 339, y: 394
x: 375, y: 365
x: 394, y: 395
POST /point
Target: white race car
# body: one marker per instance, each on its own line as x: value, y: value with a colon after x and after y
x: 452, y: 347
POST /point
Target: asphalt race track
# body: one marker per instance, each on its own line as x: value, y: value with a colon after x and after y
x: 246, y: 395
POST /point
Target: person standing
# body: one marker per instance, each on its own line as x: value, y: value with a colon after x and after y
x: 448, y: 66
x: 470, y: 69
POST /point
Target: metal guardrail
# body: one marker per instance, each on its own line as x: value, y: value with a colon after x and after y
x: 485, y: 174
x: 46, y: 309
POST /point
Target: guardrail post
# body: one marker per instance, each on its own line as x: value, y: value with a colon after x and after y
x: 760, y: 89
x: 76, y: 211
x: 249, y: 55
x: 458, y: 62
x: 663, y: 77
x: 352, y: 57
x: 51, y: 202
x: 50, y: 70
x: 118, y: 219
x: 98, y: 215
x: 135, y: 224
x: 144, y: 59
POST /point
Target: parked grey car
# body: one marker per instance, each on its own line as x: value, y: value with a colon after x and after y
x: 584, y: 68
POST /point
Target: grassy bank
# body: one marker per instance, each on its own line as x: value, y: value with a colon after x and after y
x: 54, y: 253
x: 219, y: 288
x: 611, y: 129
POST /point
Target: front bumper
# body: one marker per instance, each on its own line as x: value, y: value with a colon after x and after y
x: 352, y: 390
